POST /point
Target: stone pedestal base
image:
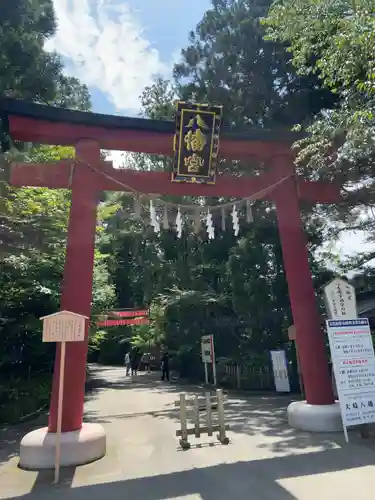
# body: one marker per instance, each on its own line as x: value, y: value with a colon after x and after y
x: 80, y: 447
x: 315, y: 418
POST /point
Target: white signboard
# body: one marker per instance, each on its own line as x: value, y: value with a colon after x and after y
x: 64, y: 326
x: 353, y: 362
x: 340, y: 300
x: 280, y: 371
x: 208, y: 356
x: 207, y: 348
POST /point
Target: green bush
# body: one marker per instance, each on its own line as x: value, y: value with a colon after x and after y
x: 19, y: 398
x: 112, y: 349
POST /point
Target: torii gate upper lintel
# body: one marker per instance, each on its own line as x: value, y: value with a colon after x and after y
x: 89, y: 133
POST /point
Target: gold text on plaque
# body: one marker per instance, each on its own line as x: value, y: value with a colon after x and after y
x: 196, y: 140
x: 194, y: 163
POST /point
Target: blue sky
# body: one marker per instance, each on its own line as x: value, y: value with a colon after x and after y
x: 117, y: 46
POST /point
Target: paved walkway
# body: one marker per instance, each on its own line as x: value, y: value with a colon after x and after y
x: 265, y: 460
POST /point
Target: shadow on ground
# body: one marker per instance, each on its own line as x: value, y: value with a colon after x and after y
x: 10, y: 437
x: 259, y: 479
x: 98, y: 381
x: 261, y: 416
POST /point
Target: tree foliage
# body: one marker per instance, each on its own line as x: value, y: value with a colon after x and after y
x: 229, y: 62
x: 334, y: 40
x: 232, y: 287
x: 27, y: 70
x: 33, y: 221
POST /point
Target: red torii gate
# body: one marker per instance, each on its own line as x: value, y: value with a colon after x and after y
x: 90, y: 132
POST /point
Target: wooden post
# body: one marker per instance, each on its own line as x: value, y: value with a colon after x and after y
x: 196, y: 417
x: 59, y: 412
x: 213, y: 360
x: 238, y: 373
x: 221, y: 417
x: 185, y: 445
x: 206, y: 373
x: 214, y: 372
x: 208, y: 414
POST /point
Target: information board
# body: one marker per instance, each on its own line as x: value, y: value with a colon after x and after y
x: 353, y: 362
x: 207, y: 348
x: 280, y: 371
x: 64, y: 326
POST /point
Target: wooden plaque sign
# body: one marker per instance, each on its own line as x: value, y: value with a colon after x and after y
x: 196, y: 143
x: 64, y: 326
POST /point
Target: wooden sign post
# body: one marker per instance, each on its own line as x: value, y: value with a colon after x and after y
x: 62, y: 327
x: 340, y: 300
x: 208, y: 356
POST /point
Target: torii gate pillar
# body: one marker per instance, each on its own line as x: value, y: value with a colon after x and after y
x: 76, y: 293
x: 320, y: 412
x: 80, y: 442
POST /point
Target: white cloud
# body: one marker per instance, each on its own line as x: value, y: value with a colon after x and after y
x: 106, y: 48
x: 350, y: 244
x: 120, y: 159
x: 353, y: 242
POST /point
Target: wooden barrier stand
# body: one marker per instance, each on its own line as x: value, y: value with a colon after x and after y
x: 207, y: 403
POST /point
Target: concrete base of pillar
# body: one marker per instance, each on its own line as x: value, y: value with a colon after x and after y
x: 80, y: 447
x: 315, y: 418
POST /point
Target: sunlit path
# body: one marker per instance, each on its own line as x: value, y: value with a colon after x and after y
x: 266, y: 460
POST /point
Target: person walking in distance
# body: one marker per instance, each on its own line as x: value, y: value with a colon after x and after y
x: 134, y: 362
x: 165, y: 366
x: 127, y: 363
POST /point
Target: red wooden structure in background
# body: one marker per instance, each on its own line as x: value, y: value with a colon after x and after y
x: 125, y: 318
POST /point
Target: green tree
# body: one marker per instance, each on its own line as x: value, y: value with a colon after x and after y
x: 33, y: 222
x: 27, y: 70
x: 33, y: 237
x: 29, y: 214
x: 334, y: 40
x: 71, y: 93
x: 157, y: 100
x: 228, y: 62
